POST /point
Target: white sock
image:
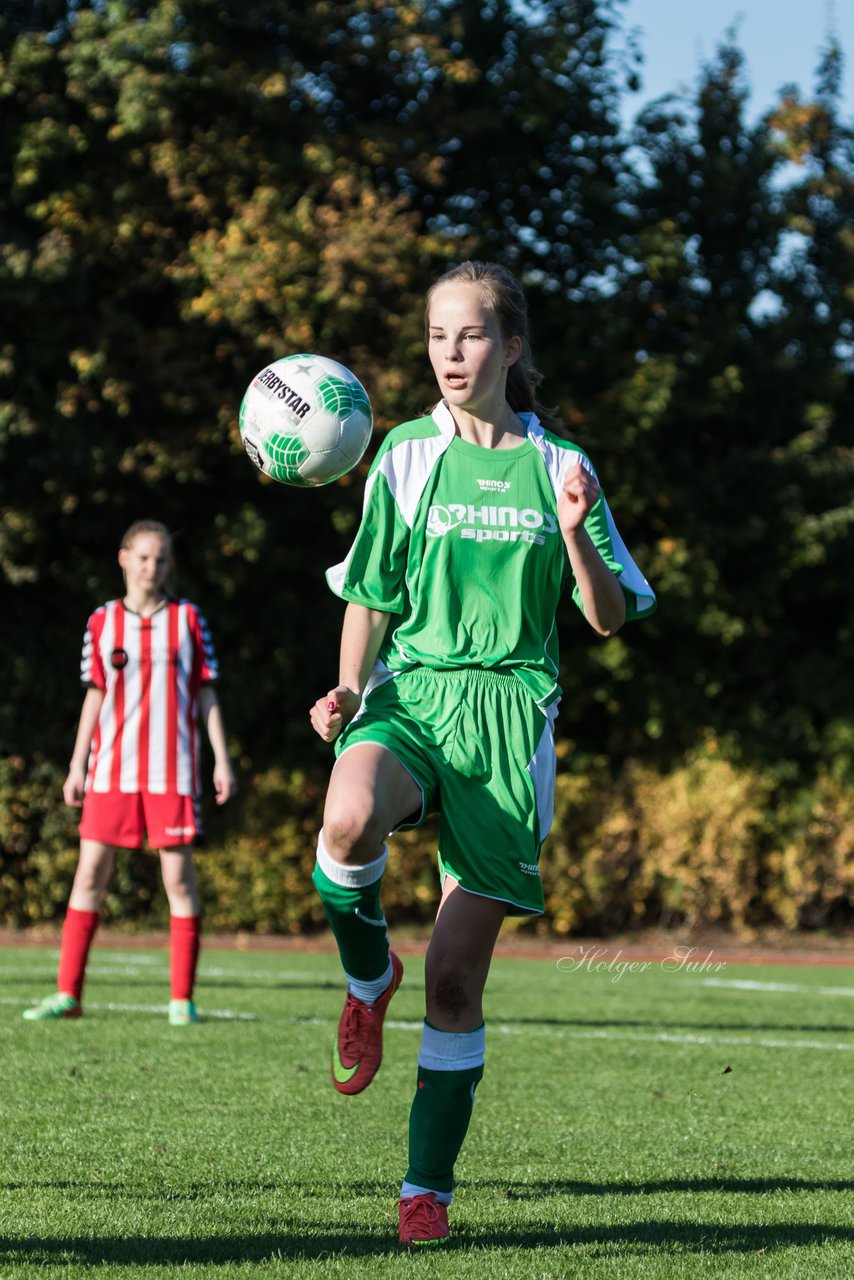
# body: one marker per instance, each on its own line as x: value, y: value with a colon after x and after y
x: 343, y: 873
x: 369, y: 991
x: 452, y: 1050
x: 409, y: 1189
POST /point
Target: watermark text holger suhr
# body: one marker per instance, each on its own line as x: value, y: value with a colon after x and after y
x: 597, y: 960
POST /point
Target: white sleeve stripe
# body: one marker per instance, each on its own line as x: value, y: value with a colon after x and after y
x: 407, y: 468
x: 337, y: 574
x: 557, y: 460
x: 631, y: 576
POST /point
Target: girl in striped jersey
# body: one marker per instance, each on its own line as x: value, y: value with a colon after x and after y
x: 149, y: 669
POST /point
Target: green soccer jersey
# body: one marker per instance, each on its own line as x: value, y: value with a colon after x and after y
x: 462, y: 545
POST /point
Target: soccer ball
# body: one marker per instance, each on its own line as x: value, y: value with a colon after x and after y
x: 305, y: 420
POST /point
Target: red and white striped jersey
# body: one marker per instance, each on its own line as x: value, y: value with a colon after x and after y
x: 147, y: 736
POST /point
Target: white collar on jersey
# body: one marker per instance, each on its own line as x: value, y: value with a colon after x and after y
x: 444, y: 420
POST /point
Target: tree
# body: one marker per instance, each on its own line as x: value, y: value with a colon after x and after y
x: 726, y: 429
x: 198, y: 187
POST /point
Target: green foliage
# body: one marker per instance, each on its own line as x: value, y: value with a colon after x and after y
x: 687, y: 847
x: 38, y: 851
x: 706, y: 844
x: 195, y: 187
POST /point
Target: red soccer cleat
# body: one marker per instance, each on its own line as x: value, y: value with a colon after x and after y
x: 422, y: 1220
x: 358, y: 1052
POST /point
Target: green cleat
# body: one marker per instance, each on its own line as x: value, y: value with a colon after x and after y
x: 59, y: 1005
x: 182, y: 1013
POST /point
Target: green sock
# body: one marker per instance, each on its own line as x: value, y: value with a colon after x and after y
x: 354, y: 914
x: 440, y: 1115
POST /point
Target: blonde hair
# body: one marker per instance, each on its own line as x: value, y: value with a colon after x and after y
x: 503, y: 295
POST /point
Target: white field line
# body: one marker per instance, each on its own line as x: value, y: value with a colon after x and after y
x: 221, y: 1015
x: 787, y: 988
x: 225, y: 1015
x: 131, y: 957
x: 654, y: 1037
x: 161, y: 965
x: 570, y: 1033
x: 119, y: 957
x: 579, y: 1033
x: 99, y: 971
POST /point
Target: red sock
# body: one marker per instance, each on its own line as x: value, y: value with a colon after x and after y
x: 77, y: 934
x: 185, y: 933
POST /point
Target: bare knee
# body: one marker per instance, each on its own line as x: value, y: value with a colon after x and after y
x: 86, y: 881
x: 93, y: 872
x: 449, y: 996
x: 352, y: 834
x: 454, y: 990
x: 179, y: 881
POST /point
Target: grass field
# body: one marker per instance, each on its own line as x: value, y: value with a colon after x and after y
x: 650, y: 1123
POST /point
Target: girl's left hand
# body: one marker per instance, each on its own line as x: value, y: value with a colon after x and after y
x: 225, y: 783
x: 335, y: 709
x: 577, y: 499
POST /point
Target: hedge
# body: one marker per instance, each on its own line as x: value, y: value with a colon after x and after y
x: 711, y: 843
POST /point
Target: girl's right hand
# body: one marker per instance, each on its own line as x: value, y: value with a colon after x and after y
x: 73, y: 787
x: 330, y: 713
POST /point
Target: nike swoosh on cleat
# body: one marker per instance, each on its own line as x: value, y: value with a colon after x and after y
x: 341, y: 1073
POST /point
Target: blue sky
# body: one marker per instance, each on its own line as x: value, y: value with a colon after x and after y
x: 781, y: 40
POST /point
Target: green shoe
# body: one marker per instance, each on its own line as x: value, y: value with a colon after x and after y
x: 59, y: 1005
x: 182, y: 1013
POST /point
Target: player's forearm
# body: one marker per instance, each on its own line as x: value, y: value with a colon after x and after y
x: 213, y: 722
x: 602, y: 596
x: 361, y: 637
x: 92, y: 704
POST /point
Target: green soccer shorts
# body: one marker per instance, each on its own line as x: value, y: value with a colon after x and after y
x: 482, y: 753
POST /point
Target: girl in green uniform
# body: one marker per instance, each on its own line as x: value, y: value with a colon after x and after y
x: 477, y: 518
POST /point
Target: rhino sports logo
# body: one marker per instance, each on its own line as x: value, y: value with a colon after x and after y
x: 491, y: 523
x: 440, y: 520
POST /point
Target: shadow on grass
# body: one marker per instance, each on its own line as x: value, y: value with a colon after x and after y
x: 296, y: 1242
x: 537, y: 1189
x: 274, y: 984
x: 262, y: 985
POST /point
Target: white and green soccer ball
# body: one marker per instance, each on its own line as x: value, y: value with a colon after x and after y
x: 305, y: 420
